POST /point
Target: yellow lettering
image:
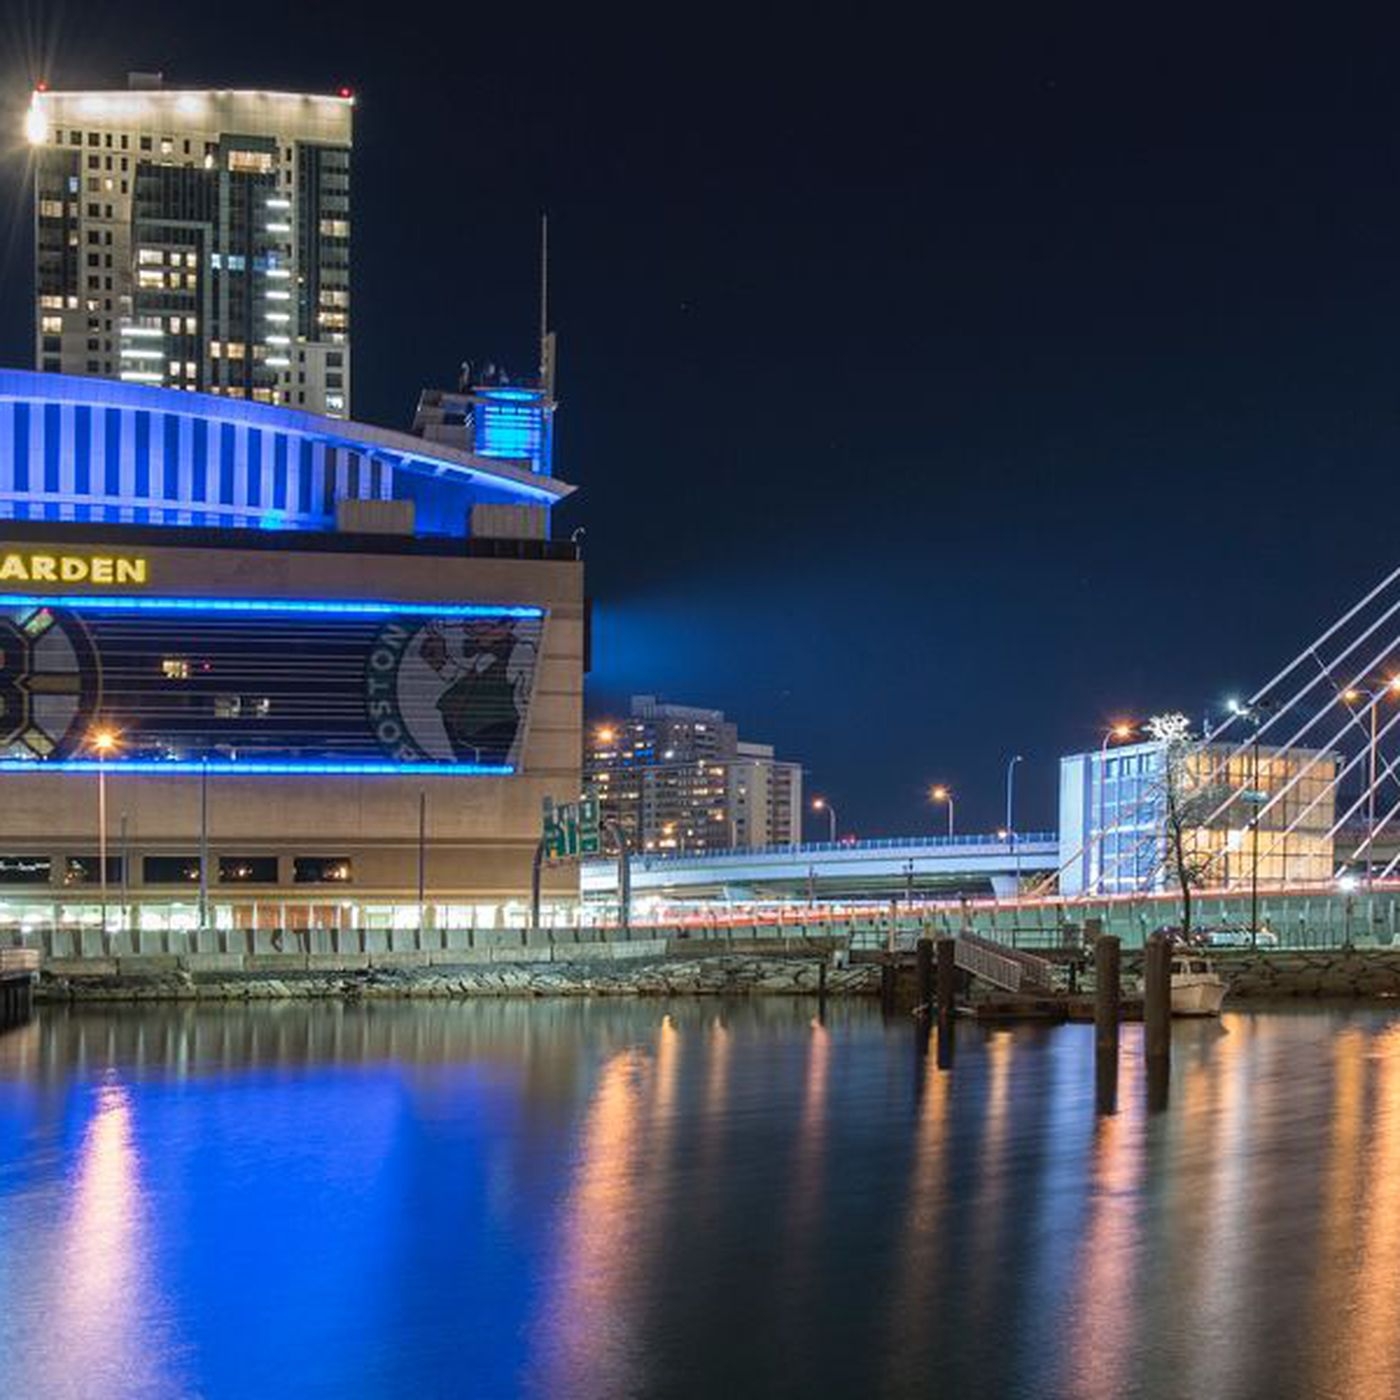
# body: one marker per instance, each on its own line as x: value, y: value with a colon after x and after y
x: 71, y: 568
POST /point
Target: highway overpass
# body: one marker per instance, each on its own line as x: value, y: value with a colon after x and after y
x: 929, y: 867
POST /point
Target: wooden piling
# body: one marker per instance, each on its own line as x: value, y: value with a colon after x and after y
x: 888, y: 973
x: 945, y: 1001
x: 1156, y: 1016
x: 1107, y: 1009
x: 947, y: 989
x: 924, y: 955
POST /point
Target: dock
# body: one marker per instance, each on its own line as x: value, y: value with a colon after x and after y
x: 19, y: 970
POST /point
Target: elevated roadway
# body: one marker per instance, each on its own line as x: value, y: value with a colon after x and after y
x: 927, y: 867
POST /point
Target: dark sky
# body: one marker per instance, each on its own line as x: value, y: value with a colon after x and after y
x: 936, y: 393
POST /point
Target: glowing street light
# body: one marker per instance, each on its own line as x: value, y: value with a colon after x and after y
x: 104, y: 742
x: 940, y: 793
x: 36, y: 123
x: 820, y: 804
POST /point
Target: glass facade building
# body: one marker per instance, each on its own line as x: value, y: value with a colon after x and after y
x: 1114, y: 830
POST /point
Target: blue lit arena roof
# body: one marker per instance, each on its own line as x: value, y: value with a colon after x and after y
x: 98, y: 450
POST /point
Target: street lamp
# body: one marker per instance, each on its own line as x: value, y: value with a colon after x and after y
x: 1011, y: 813
x: 1250, y: 713
x: 104, y: 742
x: 1351, y: 695
x: 1011, y: 791
x: 820, y: 804
x: 939, y: 793
x: 1120, y: 731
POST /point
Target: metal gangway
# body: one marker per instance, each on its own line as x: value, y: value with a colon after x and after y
x: 1007, y: 969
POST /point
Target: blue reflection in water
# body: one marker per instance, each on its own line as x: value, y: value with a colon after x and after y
x: 612, y: 1199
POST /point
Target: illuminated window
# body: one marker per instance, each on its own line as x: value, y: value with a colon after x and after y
x: 170, y: 870
x: 335, y: 228
x: 51, y: 208
x: 321, y: 870
x: 51, y: 302
x: 51, y: 325
x: 24, y: 870
x: 248, y: 870
x: 251, y: 162
x: 87, y: 870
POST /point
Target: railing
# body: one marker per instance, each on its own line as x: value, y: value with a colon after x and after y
x: 1034, y: 970
x: 884, y: 843
x: 17, y: 962
x: 998, y: 969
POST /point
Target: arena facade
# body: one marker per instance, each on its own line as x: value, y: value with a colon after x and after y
x: 289, y: 671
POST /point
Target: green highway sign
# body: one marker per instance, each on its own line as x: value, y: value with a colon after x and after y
x: 572, y: 829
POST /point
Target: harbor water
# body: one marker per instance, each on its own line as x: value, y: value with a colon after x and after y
x: 641, y: 1198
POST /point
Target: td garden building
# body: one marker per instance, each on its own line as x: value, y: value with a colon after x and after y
x: 287, y: 671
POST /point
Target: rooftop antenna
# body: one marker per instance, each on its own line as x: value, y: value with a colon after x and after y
x: 546, y: 338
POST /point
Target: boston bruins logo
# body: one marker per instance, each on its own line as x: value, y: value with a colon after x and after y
x: 49, y: 683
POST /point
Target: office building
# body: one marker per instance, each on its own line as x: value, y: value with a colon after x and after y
x: 195, y: 240
x: 265, y: 641
x: 1114, y: 830
x: 677, y: 778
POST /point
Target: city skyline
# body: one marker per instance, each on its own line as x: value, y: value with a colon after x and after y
x: 1006, y: 442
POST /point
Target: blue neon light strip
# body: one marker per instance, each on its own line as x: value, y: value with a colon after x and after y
x: 340, y: 606
x: 250, y: 766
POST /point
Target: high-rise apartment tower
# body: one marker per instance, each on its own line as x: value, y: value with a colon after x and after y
x: 195, y: 240
x: 677, y: 778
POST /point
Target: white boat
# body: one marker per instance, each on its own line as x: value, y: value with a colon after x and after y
x: 1197, y: 988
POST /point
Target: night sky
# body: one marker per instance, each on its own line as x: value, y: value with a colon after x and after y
x: 935, y: 394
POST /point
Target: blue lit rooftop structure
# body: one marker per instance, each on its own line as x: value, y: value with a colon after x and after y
x: 98, y: 450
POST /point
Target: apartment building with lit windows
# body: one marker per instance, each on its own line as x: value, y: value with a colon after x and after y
x: 677, y: 778
x: 195, y: 239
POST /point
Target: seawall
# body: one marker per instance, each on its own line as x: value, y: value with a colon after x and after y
x: 642, y: 972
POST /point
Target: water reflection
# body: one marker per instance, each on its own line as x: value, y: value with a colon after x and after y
x: 100, y: 1331
x: 1109, y: 1253
x: 614, y: 1198
x: 586, y: 1340
x: 1371, y: 1325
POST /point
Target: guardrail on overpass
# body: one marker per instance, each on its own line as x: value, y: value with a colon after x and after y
x: 893, y: 866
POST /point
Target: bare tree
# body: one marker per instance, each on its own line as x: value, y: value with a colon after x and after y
x: 1187, y: 802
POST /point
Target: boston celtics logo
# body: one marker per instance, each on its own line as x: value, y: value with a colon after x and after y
x: 452, y: 690
x: 48, y: 683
